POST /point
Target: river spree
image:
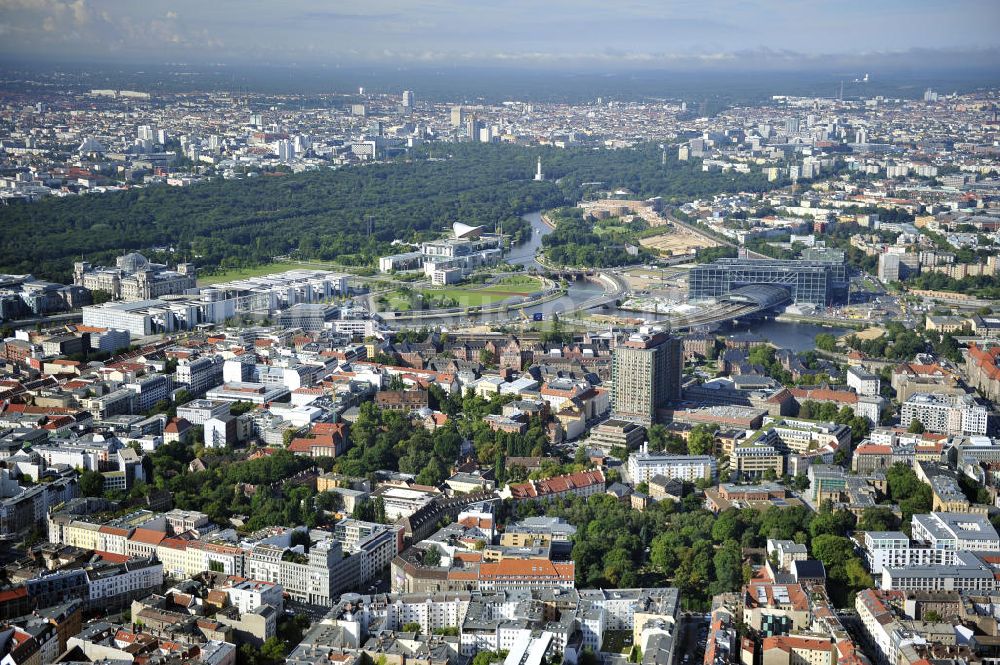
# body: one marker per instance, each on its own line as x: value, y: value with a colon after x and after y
x: 524, y: 254
x: 787, y: 335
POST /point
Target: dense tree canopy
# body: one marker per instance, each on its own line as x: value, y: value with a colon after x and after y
x: 320, y: 215
x: 324, y: 214
x: 905, y: 489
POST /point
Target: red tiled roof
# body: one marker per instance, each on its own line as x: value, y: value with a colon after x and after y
x: 788, y: 642
x: 513, y: 569
x: 556, y: 484
x: 333, y: 429
x: 986, y: 360
x: 327, y: 435
x: 174, y: 543
x: 148, y: 536
x: 825, y: 395
x: 176, y: 426
x: 872, y: 449
x: 111, y: 557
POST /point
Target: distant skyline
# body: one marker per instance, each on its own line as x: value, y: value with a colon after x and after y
x: 572, y: 34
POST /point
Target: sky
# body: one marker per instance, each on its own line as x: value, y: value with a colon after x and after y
x: 669, y: 34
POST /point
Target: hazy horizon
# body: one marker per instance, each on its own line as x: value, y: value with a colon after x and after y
x: 569, y: 35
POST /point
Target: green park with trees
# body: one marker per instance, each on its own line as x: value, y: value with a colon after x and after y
x: 323, y: 215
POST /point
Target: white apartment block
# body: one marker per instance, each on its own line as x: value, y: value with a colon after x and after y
x: 149, y: 390
x: 886, y: 635
x: 967, y: 573
x: 377, y: 544
x: 126, y: 578
x: 893, y: 549
x: 945, y: 414
x: 863, y: 381
x: 956, y: 531
x: 198, y: 411
x: 248, y: 595
x: 786, y: 551
x: 403, y: 501
x: 643, y: 465
x: 803, y: 436
x: 937, y: 537
x: 431, y: 611
x: 870, y: 407
x: 200, y: 374
x: 185, y: 520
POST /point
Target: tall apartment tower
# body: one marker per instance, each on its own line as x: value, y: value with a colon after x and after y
x: 646, y: 373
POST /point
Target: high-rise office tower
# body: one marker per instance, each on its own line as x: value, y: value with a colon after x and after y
x: 286, y: 150
x: 472, y: 127
x: 457, y: 116
x: 407, y: 99
x: 646, y: 373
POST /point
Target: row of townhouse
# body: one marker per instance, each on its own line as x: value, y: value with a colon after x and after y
x: 102, y: 584
x: 498, y: 619
x: 355, y: 553
x: 28, y: 508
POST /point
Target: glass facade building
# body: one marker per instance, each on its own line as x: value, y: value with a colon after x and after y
x: 818, y: 283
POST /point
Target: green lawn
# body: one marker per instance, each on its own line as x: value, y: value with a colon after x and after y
x: 617, y: 641
x: 469, y: 296
x: 607, y: 230
x: 519, y: 285
x: 398, y: 303
x: 523, y: 284
x: 244, y: 273
x: 260, y: 271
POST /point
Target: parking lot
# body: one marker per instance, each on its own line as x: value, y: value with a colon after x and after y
x: 692, y: 638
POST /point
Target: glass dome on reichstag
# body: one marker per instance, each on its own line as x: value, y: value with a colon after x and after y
x: 133, y: 262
